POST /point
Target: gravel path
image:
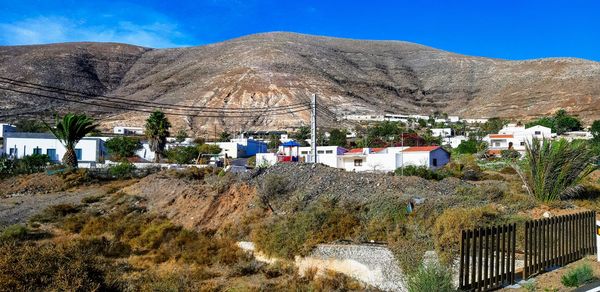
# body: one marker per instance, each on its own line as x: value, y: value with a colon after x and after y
x: 19, y: 207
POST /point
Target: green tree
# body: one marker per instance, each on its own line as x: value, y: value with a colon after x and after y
x: 182, y: 154
x: 274, y: 141
x: 467, y: 147
x: 556, y: 168
x: 69, y: 130
x: 564, y: 122
x: 157, y: 131
x: 209, y: 149
x: 302, y: 133
x: 31, y: 126
x: 493, y: 125
x: 122, y: 147
x: 547, y: 122
x: 181, y: 136
x: 337, y: 137
x: 224, y: 136
x: 595, y: 130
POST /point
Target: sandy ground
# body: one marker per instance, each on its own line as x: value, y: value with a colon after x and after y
x: 19, y: 207
x: 551, y: 281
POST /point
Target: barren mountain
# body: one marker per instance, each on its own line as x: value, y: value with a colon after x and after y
x: 279, y: 69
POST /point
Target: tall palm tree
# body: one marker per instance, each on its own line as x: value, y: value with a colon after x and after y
x: 69, y: 130
x: 157, y: 131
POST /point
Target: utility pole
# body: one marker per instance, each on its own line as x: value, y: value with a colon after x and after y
x: 313, y: 128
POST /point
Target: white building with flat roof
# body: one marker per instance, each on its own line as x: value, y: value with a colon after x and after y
x: 124, y: 130
x: 18, y: 145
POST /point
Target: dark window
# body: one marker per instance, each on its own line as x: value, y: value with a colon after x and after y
x: 357, y: 162
x: 37, y: 150
x: 538, y: 132
x: 329, y: 152
x: 51, y: 154
x: 522, y: 143
x: 304, y: 152
x: 320, y: 152
x: 434, y: 163
x: 78, y: 154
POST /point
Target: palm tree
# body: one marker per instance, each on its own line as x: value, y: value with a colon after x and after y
x: 69, y: 130
x: 157, y: 131
x: 555, y: 169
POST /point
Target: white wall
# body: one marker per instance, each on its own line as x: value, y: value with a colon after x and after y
x: 441, y: 132
x: 90, y: 147
x: 266, y: 159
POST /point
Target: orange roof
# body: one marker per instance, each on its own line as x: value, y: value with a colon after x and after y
x: 501, y: 136
x: 494, y: 151
x: 421, y: 149
x: 377, y: 149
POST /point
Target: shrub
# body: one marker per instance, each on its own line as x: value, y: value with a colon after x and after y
x: 470, y: 146
x: 510, y: 154
x: 297, y: 234
x: 555, y: 169
x: 209, y: 149
x: 251, y: 161
x: 182, y: 154
x: 122, y: 170
x: 449, y: 225
x: 272, y: 186
x: 53, y: 267
x: 430, y: 277
x: 420, y: 171
x: 54, y: 213
x: 122, y: 147
x: 14, y: 232
x: 578, y: 276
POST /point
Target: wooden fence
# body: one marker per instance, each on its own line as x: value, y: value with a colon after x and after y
x: 487, y: 258
x: 558, y: 241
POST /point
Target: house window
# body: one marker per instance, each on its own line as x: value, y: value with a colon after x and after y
x: 51, y: 154
x: 357, y: 162
x: 434, y: 162
x: 329, y: 152
x: 522, y: 143
x: 497, y: 144
x: 320, y: 152
x: 538, y: 132
x: 78, y: 154
x: 304, y: 152
x: 37, y: 150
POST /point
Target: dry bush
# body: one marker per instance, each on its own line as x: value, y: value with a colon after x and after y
x: 296, y: 234
x: 55, y: 213
x: 448, y: 227
x: 53, y: 267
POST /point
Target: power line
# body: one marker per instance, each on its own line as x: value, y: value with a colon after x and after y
x: 140, y: 103
x: 290, y: 111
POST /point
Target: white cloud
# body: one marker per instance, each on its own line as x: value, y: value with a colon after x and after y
x: 40, y: 30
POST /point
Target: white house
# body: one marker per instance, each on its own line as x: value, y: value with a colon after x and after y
x: 18, y: 145
x: 441, y: 132
x: 575, y: 135
x: 363, y: 159
x: 516, y: 138
x: 454, y: 141
x: 128, y: 130
x: 476, y: 121
x: 243, y: 147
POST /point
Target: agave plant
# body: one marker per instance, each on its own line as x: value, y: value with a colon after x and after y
x: 555, y: 169
x: 69, y: 130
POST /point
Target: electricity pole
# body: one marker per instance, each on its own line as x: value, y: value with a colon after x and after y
x: 313, y: 127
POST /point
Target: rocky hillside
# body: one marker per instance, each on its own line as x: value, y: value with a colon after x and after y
x: 279, y: 69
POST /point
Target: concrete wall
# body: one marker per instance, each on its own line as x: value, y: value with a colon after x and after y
x: 266, y: 159
x: 371, y: 264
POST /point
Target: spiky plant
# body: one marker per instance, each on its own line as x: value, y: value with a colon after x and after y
x: 157, y: 131
x: 555, y: 169
x: 69, y: 131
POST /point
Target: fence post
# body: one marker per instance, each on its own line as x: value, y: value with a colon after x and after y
x: 598, y: 239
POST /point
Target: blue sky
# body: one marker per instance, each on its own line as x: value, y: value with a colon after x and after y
x: 501, y: 29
